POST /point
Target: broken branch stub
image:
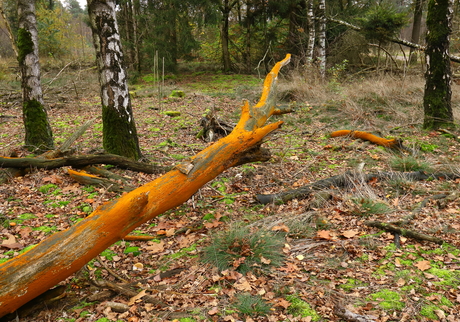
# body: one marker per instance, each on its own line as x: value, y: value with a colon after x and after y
x: 62, y: 254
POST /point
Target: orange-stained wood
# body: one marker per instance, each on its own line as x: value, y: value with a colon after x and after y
x: 60, y: 255
x: 389, y: 143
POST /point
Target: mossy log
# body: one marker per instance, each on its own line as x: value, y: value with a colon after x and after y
x: 62, y: 254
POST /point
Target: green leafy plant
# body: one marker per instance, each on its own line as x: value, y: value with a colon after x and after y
x: 241, y: 249
x: 252, y: 305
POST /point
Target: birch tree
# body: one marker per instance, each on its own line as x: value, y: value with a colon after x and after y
x: 322, y: 37
x: 438, y: 92
x: 119, y: 129
x: 38, y: 134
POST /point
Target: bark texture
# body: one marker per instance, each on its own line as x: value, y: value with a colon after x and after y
x: 119, y: 129
x: 438, y: 93
x: 60, y: 255
x: 38, y: 134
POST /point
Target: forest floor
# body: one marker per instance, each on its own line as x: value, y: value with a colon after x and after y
x: 328, y: 265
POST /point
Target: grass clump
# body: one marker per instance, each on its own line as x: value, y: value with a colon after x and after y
x: 368, y: 206
x: 243, y: 250
x: 252, y: 305
x: 408, y: 163
x: 301, y: 308
x: 389, y: 300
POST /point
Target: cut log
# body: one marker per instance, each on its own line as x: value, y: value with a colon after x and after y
x: 62, y: 254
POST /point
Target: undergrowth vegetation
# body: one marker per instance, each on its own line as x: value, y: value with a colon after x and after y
x: 222, y: 255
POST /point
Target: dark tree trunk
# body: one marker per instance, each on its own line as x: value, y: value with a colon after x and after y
x: 38, y: 134
x: 225, y: 9
x: 438, y: 92
x: 119, y: 129
x: 416, y: 28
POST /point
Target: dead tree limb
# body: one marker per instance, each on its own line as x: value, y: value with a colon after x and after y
x: 62, y: 254
x: 392, y: 39
x: 79, y: 162
x: 348, y: 179
x: 403, y: 232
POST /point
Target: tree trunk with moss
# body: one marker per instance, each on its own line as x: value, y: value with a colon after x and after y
x: 60, y: 255
x: 38, y: 134
x: 119, y: 129
x: 438, y: 93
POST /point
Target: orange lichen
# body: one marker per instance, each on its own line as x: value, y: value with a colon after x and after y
x: 389, y: 143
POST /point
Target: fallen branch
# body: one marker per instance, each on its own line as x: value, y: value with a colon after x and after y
x: 348, y: 180
x: 388, y: 143
x: 60, y: 255
x: 79, y: 162
x: 90, y: 179
x: 403, y: 232
x: 392, y: 39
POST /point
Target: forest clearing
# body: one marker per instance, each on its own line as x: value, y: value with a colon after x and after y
x: 325, y: 253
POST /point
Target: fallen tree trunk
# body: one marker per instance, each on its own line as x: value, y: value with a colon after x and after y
x: 62, y: 254
x: 79, y: 162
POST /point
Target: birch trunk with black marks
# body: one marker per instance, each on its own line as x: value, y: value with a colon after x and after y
x: 38, y: 134
x: 322, y: 37
x: 438, y: 92
x: 311, y: 31
x: 119, y: 129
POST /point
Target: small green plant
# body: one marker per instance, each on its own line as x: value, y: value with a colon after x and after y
x: 408, y: 163
x: 429, y: 311
x: 47, y: 188
x: 301, y: 308
x: 367, y: 207
x: 241, y: 249
x: 335, y: 73
x: 427, y: 147
x: 252, y: 305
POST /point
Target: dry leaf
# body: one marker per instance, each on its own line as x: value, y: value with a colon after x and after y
x: 423, y: 265
x: 350, y: 233
x: 213, y: 311
x: 213, y: 224
x: 324, y: 234
x: 136, y: 297
x: 281, y: 227
x: 281, y: 302
x: 242, y: 285
x: 11, y: 239
x: 265, y: 260
x: 155, y: 247
x: 401, y: 282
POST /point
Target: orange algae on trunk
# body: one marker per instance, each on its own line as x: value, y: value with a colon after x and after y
x: 62, y: 254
